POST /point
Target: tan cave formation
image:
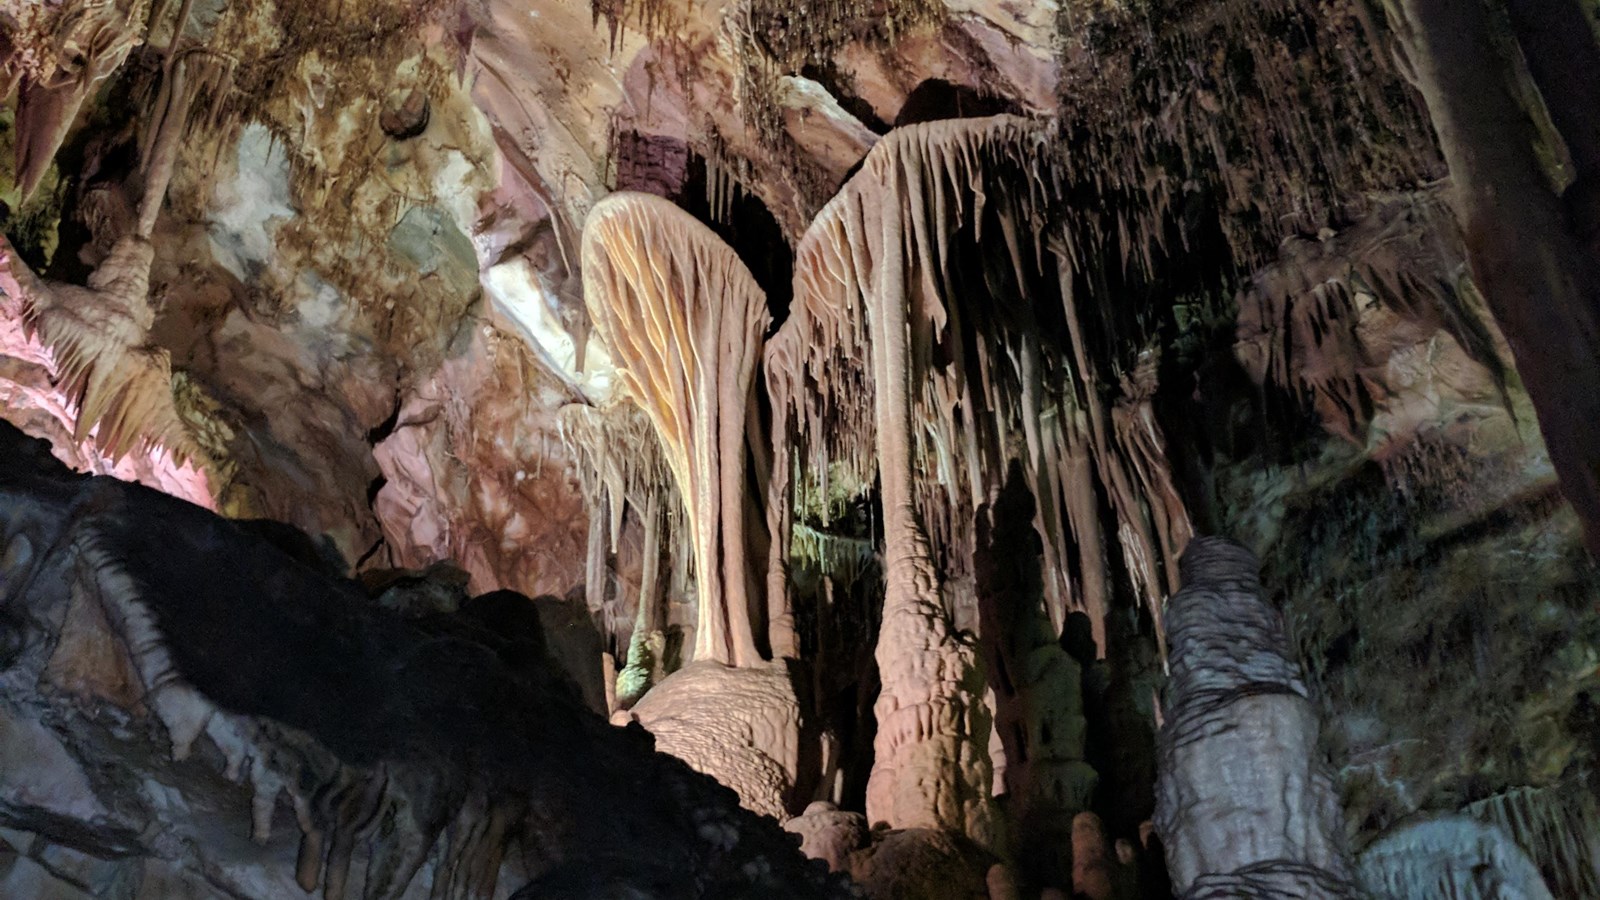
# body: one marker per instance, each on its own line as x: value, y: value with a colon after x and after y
x: 891, y: 363
x: 684, y: 320
x: 910, y: 450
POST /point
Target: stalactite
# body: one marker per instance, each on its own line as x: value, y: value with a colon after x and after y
x: 684, y: 319
x: 1287, y: 112
x: 927, y: 344
x: 64, y: 51
x: 1304, y: 322
x: 996, y: 386
x: 620, y: 466
x: 100, y: 333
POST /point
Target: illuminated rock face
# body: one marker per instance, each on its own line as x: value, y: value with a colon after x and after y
x: 740, y: 725
x: 1244, y: 802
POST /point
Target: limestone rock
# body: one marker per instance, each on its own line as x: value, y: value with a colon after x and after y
x: 829, y: 833
x: 1243, y: 799
x: 411, y: 750
x: 1451, y: 858
x: 922, y: 864
x: 739, y: 725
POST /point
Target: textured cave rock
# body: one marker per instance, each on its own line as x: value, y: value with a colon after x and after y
x: 1540, y: 275
x: 60, y: 52
x: 1037, y: 695
x: 1374, y: 330
x: 741, y: 726
x: 1214, y: 269
x: 218, y: 673
x: 829, y: 833
x: 474, y: 471
x: 1449, y: 857
x: 1244, y: 803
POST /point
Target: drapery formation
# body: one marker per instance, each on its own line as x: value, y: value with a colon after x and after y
x: 1003, y: 357
x: 936, y: 333
x: 685, y: 319
x: 100, y: 333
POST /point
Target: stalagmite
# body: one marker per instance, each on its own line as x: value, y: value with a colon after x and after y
x: 1037, y: 694
x: 742, y: 726
x: 684, y: 319
x: 1244, y: 805
x: 828, y: 833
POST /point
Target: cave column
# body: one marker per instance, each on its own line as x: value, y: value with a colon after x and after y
x: 931, y: 766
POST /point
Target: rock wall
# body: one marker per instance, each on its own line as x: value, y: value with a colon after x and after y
x: 169, y: 677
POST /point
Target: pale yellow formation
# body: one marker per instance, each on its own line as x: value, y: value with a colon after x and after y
x: 684, y: 320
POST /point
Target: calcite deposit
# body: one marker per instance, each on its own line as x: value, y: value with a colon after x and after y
x: 1239, y: 746
x: 1019, y: 450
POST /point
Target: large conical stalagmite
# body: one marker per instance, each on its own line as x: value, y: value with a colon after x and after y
x: 684, y: 319
x: 1244, y: 803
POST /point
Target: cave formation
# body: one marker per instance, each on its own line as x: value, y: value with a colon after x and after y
x: 927, y: 450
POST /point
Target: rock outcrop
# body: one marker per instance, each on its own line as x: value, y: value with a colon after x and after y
x: 169, y: 677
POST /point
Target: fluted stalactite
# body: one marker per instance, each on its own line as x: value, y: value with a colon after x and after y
x: 684, y: 319
x: 934, y: 337
x: 1244, y: 803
